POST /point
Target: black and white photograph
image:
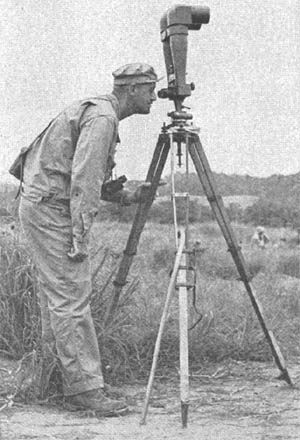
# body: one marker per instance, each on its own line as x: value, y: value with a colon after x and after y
x: 150, y: 220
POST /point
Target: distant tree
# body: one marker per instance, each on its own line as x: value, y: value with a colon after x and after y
x: 235, y: 212
x: 273, y: 213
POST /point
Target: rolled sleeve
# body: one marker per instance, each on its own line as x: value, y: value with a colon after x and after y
x: 95, y: 143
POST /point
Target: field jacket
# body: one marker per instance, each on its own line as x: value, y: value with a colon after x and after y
x: 71, y: 159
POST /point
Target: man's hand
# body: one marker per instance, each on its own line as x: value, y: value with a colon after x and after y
x: 79, y: 251
x: 142, y: 193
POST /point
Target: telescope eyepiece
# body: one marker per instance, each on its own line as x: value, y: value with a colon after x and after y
x: 181, y: 15
x: 199, y: 15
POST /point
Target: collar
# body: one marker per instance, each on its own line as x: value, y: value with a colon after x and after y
x: 111, y: 98
x: 115, y: 103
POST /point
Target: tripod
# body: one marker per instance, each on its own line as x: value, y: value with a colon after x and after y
x: 181, y: 132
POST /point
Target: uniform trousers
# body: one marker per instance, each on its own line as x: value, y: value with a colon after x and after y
x: 64, y: 294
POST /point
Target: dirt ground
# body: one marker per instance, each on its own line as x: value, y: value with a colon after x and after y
x: 231, y: 401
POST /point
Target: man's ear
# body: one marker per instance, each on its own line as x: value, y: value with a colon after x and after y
x: 132, y: 89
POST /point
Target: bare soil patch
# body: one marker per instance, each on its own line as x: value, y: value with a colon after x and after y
x: 233, y: 400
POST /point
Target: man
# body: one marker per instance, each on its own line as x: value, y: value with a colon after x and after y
x: 64, y: 170
x: 260, y: 238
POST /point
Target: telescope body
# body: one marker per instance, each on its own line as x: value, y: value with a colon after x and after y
x: 174, y: 27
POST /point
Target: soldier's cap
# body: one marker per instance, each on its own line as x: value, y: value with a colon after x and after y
x: 135, y: 73
x: 260, y: 229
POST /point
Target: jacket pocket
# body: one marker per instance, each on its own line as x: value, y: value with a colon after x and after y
x: 17, y: 168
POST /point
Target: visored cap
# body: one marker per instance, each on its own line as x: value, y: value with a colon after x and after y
x: 135, y: 73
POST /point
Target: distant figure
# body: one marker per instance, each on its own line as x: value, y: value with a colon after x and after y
x: 260, y: 238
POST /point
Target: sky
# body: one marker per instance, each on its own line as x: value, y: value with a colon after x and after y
x: 245, y: 64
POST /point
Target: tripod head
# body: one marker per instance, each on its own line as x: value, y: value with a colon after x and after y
x: 174, y: 27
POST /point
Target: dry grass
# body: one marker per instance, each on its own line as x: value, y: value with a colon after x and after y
x: 19, y: 309
x: 228, y: 327
x: 289, y: 264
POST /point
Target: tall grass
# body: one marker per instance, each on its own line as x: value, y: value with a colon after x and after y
x: 226, y: 324
x: 229, y: 326
x: 19, y: 309
x: 289, y: 264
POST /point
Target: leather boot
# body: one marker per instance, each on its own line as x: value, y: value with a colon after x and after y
x: 95, y: 400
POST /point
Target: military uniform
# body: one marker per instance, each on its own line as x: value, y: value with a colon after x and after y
x: 63, y: 173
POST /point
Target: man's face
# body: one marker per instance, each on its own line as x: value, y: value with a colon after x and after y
x: 143, y: 96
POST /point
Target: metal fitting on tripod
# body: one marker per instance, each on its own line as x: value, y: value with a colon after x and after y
x: 180, y: 118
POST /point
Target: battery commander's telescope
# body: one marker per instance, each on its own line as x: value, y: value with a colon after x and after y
x: 181, y: 134
x: 174, y: 27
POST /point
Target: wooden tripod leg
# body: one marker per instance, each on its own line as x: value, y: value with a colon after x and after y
x: 207, y: 180
x: 184, y: 339
x: 153, y: 176
x: 176, y: 267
